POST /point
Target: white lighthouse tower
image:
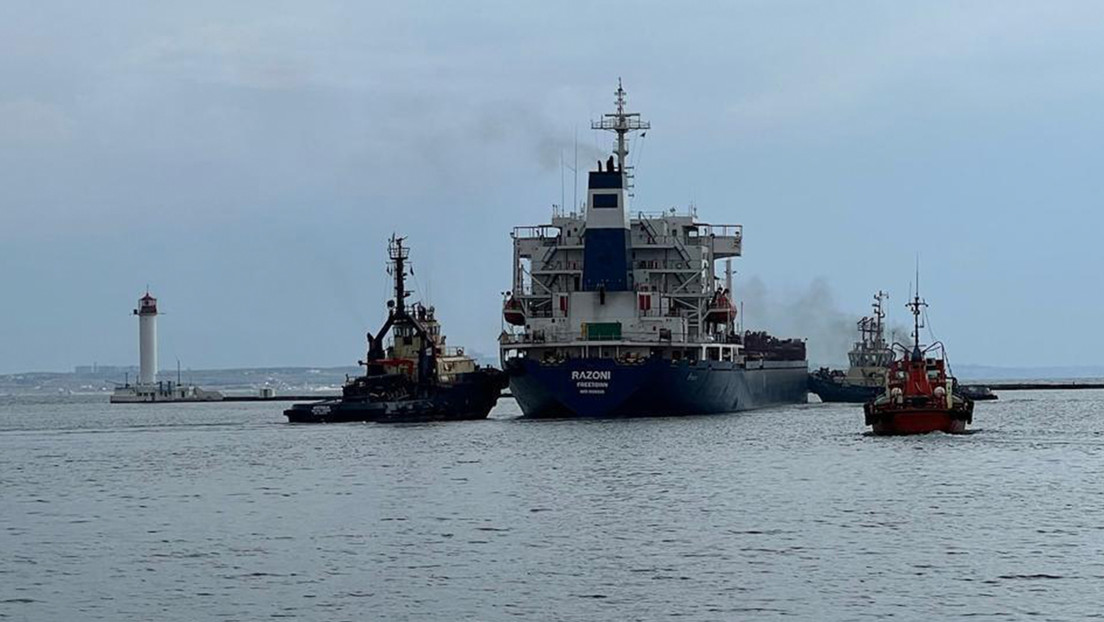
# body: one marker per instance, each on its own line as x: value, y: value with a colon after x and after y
x: 148, y: 388
x: 147, y: 339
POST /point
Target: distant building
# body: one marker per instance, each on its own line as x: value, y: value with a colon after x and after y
x: 96, y: 369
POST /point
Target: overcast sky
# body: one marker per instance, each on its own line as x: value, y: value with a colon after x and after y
x: 248, y: 161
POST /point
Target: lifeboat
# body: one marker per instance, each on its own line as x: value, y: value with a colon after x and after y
x: 919, y: 396
x: 513, y: 312
x: 720, y: 310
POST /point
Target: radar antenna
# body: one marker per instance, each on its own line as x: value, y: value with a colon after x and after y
x: 621, y: 123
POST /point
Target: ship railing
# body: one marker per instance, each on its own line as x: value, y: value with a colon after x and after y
x: 734, y: 231
x: 642, y: 337
x: 673, y: 212
x: 661, y: 240
x: 540, y: 232
x: 655, y: 264
x: 559, y: 211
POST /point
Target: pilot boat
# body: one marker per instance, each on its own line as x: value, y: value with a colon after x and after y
x: 919, y: 394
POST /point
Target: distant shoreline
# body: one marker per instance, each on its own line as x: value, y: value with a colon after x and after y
x: 305, y: 380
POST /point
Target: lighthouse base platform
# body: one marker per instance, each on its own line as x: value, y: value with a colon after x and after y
x: 162, y: 392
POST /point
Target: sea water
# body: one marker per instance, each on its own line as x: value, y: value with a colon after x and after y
x: 225, y: 512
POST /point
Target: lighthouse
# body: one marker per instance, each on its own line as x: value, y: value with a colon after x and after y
x: 147, y: 339
x: 148, y: 389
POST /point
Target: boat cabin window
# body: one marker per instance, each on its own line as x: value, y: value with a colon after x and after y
x: 726, y: 354
x: 713, y: 353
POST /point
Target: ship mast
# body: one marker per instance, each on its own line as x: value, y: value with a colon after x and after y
x: 879, y: 316
x: 915, y: 306
x: 621, y: 123
x: 399, y: 255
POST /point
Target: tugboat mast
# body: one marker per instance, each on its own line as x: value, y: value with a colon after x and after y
x: 879, y: 316
x: 915, y: 306
x: 397, y: 313
x: 399, y: 255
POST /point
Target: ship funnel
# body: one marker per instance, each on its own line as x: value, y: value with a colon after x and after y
x: 607, y: 242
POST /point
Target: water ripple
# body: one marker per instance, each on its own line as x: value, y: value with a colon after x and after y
x: 185, y: 511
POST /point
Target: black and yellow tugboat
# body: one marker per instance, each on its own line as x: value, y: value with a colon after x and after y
x: 415, y: 376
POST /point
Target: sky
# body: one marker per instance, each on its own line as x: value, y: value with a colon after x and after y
x: 247, y: 162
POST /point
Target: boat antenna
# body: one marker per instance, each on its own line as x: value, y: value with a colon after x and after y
x: 575, y: 169
x: 916, y: 306
x: 562, y: 186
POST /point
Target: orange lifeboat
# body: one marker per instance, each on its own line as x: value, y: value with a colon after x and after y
x: 513, y: 312
x: 721, y: 310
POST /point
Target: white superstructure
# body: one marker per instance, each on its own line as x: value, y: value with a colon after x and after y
x: 634, y: 280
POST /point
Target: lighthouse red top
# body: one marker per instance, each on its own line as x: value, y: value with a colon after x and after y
x: 147, y: 305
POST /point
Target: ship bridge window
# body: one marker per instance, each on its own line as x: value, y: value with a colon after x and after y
x: 605, y: 199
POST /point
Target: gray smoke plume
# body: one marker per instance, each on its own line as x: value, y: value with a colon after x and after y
x: 551, y: 146
x: 515, y: 121
x: 812, y: 314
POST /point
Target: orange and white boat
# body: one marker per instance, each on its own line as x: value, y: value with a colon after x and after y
x: 919, y: 396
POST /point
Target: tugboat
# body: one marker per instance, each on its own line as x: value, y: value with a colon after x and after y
x: 919, y: 395
x: 976, y: 392
x: 415, y: 377
x: 865, y: 377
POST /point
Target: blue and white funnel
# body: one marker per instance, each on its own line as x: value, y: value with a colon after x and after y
x: 607, y: 253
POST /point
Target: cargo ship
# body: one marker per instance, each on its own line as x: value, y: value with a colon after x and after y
x: 919, y: 396
x: 868, y: 360
x: 613, y: 313
x: 413, y: 377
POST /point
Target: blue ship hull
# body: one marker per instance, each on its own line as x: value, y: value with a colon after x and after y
x: 831, y: 391
x: 602, y: 387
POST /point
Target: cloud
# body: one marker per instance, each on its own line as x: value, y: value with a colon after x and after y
x: 969, y: 55
x: 27, y: 122
x: 257, y: 55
